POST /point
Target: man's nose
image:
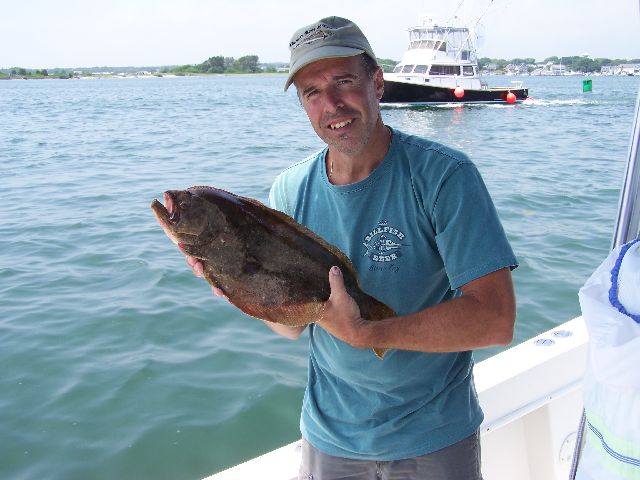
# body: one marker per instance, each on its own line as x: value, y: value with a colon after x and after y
x: 333, y: 99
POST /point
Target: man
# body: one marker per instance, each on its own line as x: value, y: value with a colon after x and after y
x: 417, y: 222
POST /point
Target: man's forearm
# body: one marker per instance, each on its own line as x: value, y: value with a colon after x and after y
x: 458, y: 325
x: 483, y: 316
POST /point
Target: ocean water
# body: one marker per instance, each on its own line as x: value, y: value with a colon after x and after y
x: 116, y: 362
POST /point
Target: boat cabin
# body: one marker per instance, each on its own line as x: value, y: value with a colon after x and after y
x: 441, y: 55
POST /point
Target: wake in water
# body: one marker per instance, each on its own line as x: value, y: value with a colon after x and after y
x: 542, y: 102
x: 529, y: 102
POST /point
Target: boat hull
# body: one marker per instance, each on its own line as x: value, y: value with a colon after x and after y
x: 405, y: 92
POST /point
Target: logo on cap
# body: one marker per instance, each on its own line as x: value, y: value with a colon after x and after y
x: 313, y: 34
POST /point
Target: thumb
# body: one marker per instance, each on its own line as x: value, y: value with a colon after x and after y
x: 336, y: 283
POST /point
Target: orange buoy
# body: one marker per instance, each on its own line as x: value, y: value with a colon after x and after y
x: 459, y: 92
x: 511, y: 97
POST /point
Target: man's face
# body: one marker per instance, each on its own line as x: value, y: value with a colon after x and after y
x: 341, y: 101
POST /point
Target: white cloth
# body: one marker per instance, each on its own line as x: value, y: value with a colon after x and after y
x: 612, y: 377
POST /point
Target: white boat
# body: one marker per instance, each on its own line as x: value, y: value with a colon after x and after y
x: 531, y: 394
x: 440, y: 66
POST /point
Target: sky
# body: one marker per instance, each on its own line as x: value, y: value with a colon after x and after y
x: 87, y: 33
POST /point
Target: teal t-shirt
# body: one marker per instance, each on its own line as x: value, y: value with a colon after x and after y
x: 418, y: 228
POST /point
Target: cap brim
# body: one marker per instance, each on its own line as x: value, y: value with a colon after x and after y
x: 320, y: 53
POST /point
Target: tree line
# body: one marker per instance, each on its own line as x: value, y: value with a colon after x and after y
x: 220, y: 64
x: 38, y: 73
x: 575, y: 63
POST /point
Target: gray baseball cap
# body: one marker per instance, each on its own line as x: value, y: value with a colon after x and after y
x: 329, y: 37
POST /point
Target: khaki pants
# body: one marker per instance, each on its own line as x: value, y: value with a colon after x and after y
x: 460, y: 461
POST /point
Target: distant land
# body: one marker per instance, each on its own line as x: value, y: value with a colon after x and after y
x: 250, y: 64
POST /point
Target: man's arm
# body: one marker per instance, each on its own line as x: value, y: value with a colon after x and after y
x: 482, y: 317
x: 291, y: 333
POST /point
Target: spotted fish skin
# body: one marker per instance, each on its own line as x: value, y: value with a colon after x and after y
x: 267, y: 264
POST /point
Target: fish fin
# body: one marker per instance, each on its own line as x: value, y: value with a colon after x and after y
x: 378, y: 310
x: 289, y: 315
x: 379, y: 352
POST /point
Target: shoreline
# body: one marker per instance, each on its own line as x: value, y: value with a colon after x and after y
x: 264, y: 74
x: 136, y: 75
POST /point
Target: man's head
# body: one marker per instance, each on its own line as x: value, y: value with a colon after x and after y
x: 330, y: 37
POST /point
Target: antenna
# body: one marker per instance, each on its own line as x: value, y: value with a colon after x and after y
x: 473, y: 29
x: 453, y: 15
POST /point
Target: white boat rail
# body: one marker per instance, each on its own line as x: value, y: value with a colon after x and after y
x: 628, y: 222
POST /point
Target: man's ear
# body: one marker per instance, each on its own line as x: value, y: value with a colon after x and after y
x: 379, y: 82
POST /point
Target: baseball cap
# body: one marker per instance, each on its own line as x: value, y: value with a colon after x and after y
x: 329, y: 37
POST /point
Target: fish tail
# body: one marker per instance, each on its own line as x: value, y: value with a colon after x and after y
x: 379, y: 311
x: 379, y: 352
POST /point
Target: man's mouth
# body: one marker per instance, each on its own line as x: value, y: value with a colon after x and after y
x: 339, y: 125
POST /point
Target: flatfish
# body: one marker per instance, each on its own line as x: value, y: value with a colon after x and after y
x: 267, y: 264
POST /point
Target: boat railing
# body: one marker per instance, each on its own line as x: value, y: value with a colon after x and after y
x: 628, y: 224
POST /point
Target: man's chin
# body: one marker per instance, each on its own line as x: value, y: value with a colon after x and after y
x: 345, y: 145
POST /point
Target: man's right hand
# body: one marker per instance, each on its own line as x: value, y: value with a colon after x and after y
x: 198, y: 271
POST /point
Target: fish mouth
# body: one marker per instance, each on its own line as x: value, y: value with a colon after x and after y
x: 166, y: 213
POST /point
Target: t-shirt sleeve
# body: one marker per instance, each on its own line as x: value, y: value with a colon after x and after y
x: 277, y: 197
x: 469, y: 235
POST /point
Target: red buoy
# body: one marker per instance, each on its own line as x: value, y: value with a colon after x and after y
x: 511, y: 97
x: 459, y: 92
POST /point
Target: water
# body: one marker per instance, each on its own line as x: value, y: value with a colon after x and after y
x: 118, y: 363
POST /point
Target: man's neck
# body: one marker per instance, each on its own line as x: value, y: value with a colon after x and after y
x: 344, y: 169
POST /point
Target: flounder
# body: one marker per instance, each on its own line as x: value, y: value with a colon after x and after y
x: 267, y: 264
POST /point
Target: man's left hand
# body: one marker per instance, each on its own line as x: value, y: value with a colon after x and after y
x: 341, y: 317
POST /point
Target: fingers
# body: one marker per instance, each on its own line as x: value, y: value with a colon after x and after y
x: 336, y: 283
x: 218, y: 293
x: 198, y: 271
x: 196, y: 266
x: 338, y: 296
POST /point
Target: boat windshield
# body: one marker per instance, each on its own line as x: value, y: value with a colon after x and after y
x: 421, y: 69
x: 407, y: 69
x: 429, y: 45
x: 444, y: 70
